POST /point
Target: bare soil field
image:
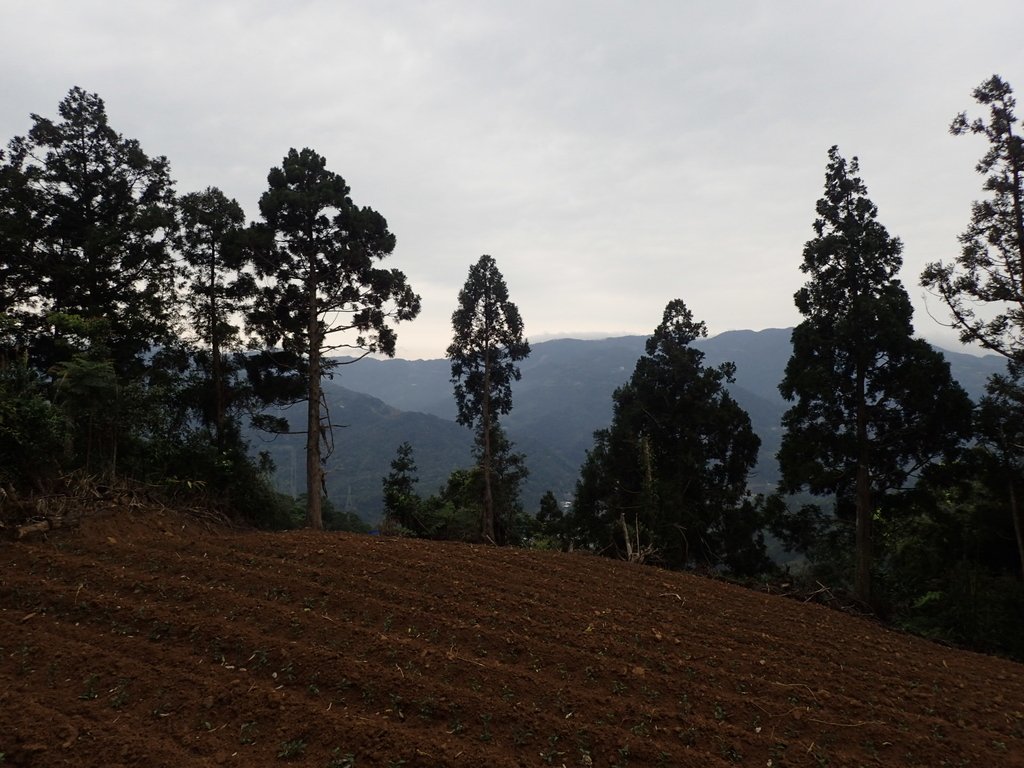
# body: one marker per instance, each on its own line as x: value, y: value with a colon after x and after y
x: 146, y: 638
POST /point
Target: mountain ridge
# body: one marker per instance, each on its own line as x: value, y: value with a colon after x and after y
x: 564, y: 395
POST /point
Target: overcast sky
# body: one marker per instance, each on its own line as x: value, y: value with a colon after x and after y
x: 611, y: 156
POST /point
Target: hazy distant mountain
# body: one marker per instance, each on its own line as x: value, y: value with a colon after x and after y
x: 564, y: 395
x: 366, y: 444
x: 364, y: 447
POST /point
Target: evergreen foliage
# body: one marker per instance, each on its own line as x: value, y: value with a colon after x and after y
x: 508, y: 472
x: 984, y: 287
x: 401, y: 503
x: 1000, y: 436
x: 952, y: 567
x: 32, y: 429
x: 96, y: 374
x: 486, y: 346
x: 667, y: 479
x: 17, y: 222
x: 87, y: 219
x: 210, y: 241
x: 121, y: 313
x: 318, y: 261
x: 873, y: 404
x: 551, y: 526
x: 453, y: 513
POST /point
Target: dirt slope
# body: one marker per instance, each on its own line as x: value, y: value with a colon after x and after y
x: 147, y: 639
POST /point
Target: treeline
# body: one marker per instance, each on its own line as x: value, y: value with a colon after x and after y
x: 893, y: 482
x: 142, y: 329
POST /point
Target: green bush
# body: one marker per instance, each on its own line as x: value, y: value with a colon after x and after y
x: 971, y: 607
x: 32, y: 429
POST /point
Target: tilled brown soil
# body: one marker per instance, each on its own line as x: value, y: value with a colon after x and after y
x: 151, y: 639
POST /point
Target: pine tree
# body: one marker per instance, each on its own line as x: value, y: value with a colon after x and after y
x: 401, y: 502
x: 486, y: 346
x: 323, y: 290
x: 549, y: 511
x: 210, y: 242
x: 984, y: 287
x: 85, y: 221
x: 668, y: 478
x: 86, y: 272
x: 873, y: 403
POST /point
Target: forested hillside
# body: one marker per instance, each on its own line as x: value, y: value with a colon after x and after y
x: 164, y: 343
x: 563, y: 397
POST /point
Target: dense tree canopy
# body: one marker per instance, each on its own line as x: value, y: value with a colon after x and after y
x: 87, y: 270
x: 872, y: 403
x: 323, y: 288
x: 487, y: 345
x: 210, y: 241
x: 86, y: 222
x: 1000, y: 439
x: 17, y: 222
x: 668, y: 478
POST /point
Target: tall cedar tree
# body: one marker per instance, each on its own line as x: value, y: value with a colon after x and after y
x: 668, y: 477
x: 210, y: 241
x: 85, y: 216
x: 984, y: 287
x: 323, y: 290
x: 873, y: 404
x: 486, y: 346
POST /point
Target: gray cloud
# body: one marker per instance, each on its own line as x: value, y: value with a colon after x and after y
x: 610, y: 155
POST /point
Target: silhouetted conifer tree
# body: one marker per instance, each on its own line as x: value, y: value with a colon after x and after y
x: 873, y: 404
x: 323, y: 290
x: 486, y: 346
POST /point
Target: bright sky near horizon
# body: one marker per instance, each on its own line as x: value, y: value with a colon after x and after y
x: 610, y: 155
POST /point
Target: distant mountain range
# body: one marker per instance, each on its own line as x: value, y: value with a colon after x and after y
x: 563, y: 397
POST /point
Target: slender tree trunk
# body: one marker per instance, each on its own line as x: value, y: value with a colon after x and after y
x: 216, y: 363
x: 625, y: 536
x: 862, y: 582
x: 314, y: 472
x: 488, y: 521
x: 1018, y: 523
x: 218, y: 388
x: 862, y: 578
